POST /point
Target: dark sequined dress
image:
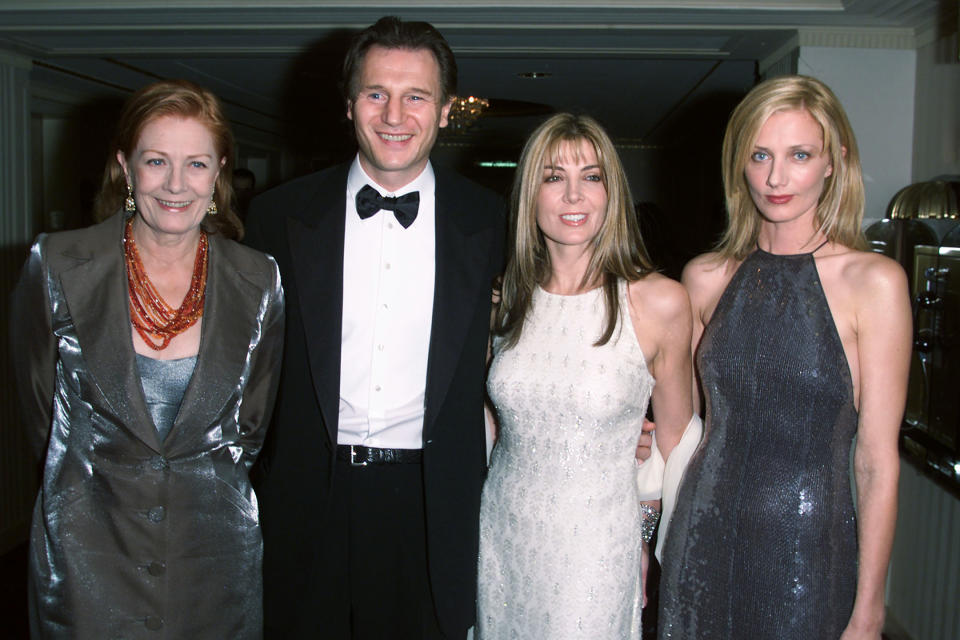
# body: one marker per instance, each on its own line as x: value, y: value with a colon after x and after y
x: 763, y: 543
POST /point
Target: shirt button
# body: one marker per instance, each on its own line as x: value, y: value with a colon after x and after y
x: 379, y: 347
x: 386, y: 266
x: 157, y: 569
x: 376, y: 388
x: 154, y: 623
x: 157, y: 514
x: 389, y: 225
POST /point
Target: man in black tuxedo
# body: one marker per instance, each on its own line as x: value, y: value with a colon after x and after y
x: 372, y: 470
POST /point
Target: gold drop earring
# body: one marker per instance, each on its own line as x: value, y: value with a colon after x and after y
x: 129, y: 205
x: 212, y: 207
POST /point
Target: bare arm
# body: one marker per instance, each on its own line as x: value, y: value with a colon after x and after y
x: 660, y: 311
x: 884, y: 331
x: 703, y: 282
x: 704, y: 278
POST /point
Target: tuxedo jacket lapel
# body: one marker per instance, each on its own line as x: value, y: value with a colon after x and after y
x: 462, y: 250
x: 315, y: 232
x: 315, y: 238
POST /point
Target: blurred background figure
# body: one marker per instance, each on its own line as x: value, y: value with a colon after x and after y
x: 244, y: 188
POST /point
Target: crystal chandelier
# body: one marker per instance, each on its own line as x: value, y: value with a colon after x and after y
x: 465, y: 110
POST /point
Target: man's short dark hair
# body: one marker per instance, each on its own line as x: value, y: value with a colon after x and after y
x: 391, y: 32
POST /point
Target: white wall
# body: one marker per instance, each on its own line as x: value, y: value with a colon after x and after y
x: 924, y: 581
x: 876, y: 87
x: 936, y: 142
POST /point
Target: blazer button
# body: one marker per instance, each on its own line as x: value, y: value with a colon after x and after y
x: 158, y: 463
x: 157, y: 514
x: 157, y: 568
x: 154, y: 623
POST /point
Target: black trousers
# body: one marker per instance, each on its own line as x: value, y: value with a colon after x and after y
x: 373, y: 582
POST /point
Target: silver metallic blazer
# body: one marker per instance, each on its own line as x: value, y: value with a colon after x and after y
x: 132, y: 536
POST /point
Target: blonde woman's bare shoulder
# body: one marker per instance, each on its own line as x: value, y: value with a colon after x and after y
x: 870, y: 274
x: 708, y: 272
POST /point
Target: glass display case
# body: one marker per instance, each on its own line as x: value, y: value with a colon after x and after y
x: 922, y: 232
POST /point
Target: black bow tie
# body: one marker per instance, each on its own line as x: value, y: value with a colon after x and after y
x: 369, y: 201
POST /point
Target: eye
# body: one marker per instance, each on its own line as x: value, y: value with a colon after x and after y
x: 154, y: 162
x: 375, y: 95
x: 801, y: 155
x: 759, y: 156
x: 551, y: 177
x: 416, y: 98
x: 593, y: 177
x: 198, y: 164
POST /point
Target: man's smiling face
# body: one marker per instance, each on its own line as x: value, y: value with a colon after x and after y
x: 397, y: 113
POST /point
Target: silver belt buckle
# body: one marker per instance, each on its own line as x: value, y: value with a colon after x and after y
x: 353, y: 458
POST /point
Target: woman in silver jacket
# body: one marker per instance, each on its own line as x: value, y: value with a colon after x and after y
x: 146, y: 349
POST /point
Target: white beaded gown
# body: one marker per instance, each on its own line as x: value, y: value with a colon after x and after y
x: 559, y: 517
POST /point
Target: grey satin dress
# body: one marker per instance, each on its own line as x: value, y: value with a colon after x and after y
x: 137, y: 534
x: 763, y: 542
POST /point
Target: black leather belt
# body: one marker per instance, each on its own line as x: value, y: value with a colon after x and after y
x: 360, y: 456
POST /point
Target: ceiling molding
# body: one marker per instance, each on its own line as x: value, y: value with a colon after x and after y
x: 947, y: 25
x: 778, y: 55
x: 270, y: 61
x: 15, y: 60
x: 160, y: 50
x: 690, y: 5
x: 864, y: 38
x: 599, y: 52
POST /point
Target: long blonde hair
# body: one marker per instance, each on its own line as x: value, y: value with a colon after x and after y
x: 840, y: 211
x: 617, y: 251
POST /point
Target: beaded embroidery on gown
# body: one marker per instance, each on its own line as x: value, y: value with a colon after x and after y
x: 559, y: 517
x: 762, y: 544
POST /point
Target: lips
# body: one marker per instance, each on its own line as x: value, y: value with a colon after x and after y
x: 395, y: 137
x: 778, y: 199
x: 174, y: 205
x: 573, y: 219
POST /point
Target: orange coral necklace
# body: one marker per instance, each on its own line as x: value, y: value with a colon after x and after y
x: 155, y: 320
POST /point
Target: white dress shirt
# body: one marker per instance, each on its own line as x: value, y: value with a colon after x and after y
x: 388, y: 279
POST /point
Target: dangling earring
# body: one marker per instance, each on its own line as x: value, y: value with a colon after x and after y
x: 212, y: 207
x: 129, y: 205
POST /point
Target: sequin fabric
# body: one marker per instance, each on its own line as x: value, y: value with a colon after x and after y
x: 559, y: 519
x: 763, y: 541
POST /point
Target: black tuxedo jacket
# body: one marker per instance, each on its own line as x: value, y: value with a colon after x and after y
x: 301, y: 224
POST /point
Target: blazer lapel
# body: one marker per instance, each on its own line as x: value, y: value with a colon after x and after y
x: 229, y: 321
x: 461, y: 264
x: 96, y: 294
x: 315, y: 238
